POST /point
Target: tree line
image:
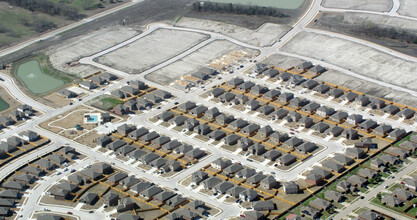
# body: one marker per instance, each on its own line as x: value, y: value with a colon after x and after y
x: 385, y: 32
x: 47, y: 7
x: 201, y: 6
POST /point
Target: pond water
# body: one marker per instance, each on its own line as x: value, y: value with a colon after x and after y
x: 35, y: 80
x: 3, y: 105
x: 285, y: 4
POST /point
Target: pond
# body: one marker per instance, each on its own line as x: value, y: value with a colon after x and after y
x: 35, y: 80
x: 285, y: 4
x: 3, y: 105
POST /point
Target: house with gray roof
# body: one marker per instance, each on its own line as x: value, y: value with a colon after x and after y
x: 324, y: 111
x: 362, y: 101
x: 350, y: 96
x: 333, y: 196
x: 211, y: 182
x: 342, y: 159
x: 175, y: 201
x: 286, y: 159
x: 298, y: 102
x: 266, y: 109
x: 333, y: 166
x: 222, y: 187
x: 397, y: 133
x: 248, y: 195
x: 250, y: 129
x: 216, y: 135
x: 351, y: 134
x: 257, y: 149
x: 410, y: 184
x: 246, y: 173
x: 293, y: 142
x: 285, y: 76
x: 117, y: 177
x: 335, y: 131
x: 398, y: 152
x: 320, y: 204
x: 13, y: 185
x: 403, y: 194
x: 246, y: 86
x: 212, y: 113
x: 310, y: 84
x: 195, y: 153
x: 271, y: 94
x: 255, y: 179
x: 345, y: 187
x: 88, y: 85
x: 235, y: 82
x: 281, y: 113
x: 148, y: 158
x: 391, y: 201
x: 278, y: 137
x: 231, y: 139
x: 314, y: 179
x: 220, y: 163
x: 269, y: 183
x: 163, y: 196
x: 252, y: 104
x: 223, y: 119
x: 368, y: 125
x: 356, y: 180
x: 291, y: 187
x: 272, y: 155
x: 391, y: 109
x: 263, y: 205
x: 186, y: 106
x: 339, y: 116
x: 406, y: 113
x: 355, y: 152
x: 234, y: 168
x: 202, y: 129
x: 306, y: 147
x: 322, y: 88
x: 306, y: 122
x: 285, y: 97
x: 216, y: 92
x: 321, y: 127
x: 150, y: 192
x: 235, y: 191
x: 322, y: 172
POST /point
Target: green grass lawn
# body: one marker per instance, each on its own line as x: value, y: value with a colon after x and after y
x: 109, y: 103
x: 12, y: 20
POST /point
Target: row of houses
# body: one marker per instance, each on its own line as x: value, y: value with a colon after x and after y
x: 138, y: 188
x: 194, y: 79
x: 304, y: 105
x: 142, y: 103
x: 155, y: 140
x: 22, y: 112
x: 239, y: 125
x: 13, y: 188
x: 94, y: 82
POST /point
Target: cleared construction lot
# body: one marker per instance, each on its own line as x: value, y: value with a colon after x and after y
x: 151, y: 50
x: 86, y: 45
x: 189, y: 64
x: 408, y: 8
x: 371, y: 5
x: 358, y: 58
x: 265, y: 35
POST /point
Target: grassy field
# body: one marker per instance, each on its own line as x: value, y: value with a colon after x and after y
x: 109, y: 103
x: 13, y: 20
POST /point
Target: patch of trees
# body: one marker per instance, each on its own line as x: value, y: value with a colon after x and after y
x: 47, y: 7
x: 237, y: 9
x: 384, y: 32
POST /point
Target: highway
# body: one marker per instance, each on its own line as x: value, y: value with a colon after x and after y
x: 229, y: 210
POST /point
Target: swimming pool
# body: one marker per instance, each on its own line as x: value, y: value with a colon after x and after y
x: 92, y: 118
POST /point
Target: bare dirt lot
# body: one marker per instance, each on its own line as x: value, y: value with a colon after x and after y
x: 360, y: 59
x: 370, y: 5
x: 151, y: 50
x: 87, y: 45
x: 338, y: 78
x: 408, y: 8
x: 195, y: 61
x: 396, y: 33
x: 265, y: 35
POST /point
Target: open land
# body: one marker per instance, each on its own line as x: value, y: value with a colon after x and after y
x: 198, y: 59
x: 408, y: 7
x: 360, y: 59
x: 151, y: 50
x: 392, y: 32
x: 371, y: 5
